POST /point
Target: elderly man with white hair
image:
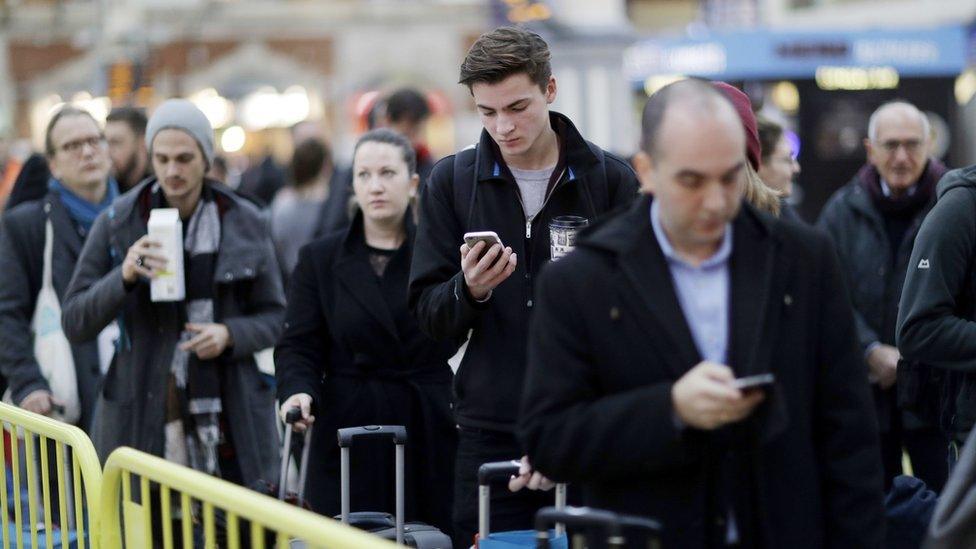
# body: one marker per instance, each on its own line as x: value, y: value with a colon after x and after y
x: 873, y: 221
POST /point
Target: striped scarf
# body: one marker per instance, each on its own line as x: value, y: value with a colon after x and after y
x: 193, y: 428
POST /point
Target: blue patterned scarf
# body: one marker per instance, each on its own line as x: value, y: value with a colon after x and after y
x: 81, y: 210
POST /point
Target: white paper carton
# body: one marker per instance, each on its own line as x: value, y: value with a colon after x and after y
x: 166, y: 228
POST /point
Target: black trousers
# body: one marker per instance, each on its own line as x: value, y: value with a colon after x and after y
x: 509, y: 511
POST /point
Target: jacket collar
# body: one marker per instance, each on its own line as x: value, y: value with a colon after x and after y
x: 860, y: 200
x: 579, y: 156
x: 64, y: 228
x: 353, y: 270
x: 754, y: 261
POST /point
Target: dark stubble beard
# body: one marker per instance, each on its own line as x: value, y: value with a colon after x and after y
x: 125, y: 174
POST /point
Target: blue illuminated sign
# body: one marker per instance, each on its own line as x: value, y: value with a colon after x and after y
x: 765, y: 54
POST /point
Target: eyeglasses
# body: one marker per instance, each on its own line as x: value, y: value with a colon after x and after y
x: 911, y: 145
x: 78, y: 145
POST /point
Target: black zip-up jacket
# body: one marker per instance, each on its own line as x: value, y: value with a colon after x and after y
x: 936, y: 321
x: 483, y: 196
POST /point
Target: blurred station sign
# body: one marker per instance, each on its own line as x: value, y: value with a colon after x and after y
x: 507, y: 12
x: 762, y: 54
x: 126, y: 82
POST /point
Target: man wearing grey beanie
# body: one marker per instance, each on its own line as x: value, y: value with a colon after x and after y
x: 184, y: 383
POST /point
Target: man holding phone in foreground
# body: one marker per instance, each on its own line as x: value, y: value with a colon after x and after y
x: 530, y: 166
x: 641, y: 334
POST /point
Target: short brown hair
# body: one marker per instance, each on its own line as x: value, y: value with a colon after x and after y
x: 769, y: 135
x: 505, y: 51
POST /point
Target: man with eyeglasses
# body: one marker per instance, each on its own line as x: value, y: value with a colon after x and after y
x: 873, y: 221
x: 79, y: 189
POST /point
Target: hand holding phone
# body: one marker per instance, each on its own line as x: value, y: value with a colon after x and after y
x: 485, y: 263
x: 754, y: 383
x: 706, y: 397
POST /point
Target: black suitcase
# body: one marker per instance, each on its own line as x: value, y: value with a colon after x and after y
x: 412, y: 534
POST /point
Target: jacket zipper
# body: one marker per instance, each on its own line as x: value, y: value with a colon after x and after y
x: 528, y: 234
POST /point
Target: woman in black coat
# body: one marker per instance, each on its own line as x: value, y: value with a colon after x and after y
x: 352, y: 354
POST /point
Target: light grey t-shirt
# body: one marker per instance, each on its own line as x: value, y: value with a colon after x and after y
x: 533, y: 185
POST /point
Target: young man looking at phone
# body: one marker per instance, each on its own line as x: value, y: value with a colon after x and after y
x: 530, y: 166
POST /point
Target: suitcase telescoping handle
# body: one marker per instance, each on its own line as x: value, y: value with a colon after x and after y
x: 293, y: 415
x: 398, y: 434
x: 503, y: 470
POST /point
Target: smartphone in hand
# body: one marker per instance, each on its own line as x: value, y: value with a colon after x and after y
x: 754, y: 383
x: 490, y: 238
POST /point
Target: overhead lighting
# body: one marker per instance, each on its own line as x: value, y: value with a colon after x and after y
x: 786, y: 96
x: 218, y: 110
x: 266, y: 108
x: 653, y: 83
x: 233, y: 139
x: 965, y: 87
x: 857, y: 78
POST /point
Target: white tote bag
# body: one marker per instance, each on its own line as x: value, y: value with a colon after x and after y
x: 51, y: 348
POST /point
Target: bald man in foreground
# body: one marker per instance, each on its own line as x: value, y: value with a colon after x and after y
x: 641, y: 335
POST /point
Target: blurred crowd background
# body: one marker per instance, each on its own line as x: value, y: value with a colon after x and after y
x: 268, y: 73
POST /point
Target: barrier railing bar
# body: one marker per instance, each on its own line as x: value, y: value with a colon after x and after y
x: 15, y: 466
x: 31, y: 466
x: 166, y: 512
x: 289, y: 521
x: 62, y: 503
x: 76, y: 486
x: 186, y: 519
x: 46, y: 493
x: 3, y: 494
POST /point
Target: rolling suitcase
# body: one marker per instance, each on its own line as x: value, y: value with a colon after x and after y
x: 413, y: 534
x: 500, y: 470
x: 581, y: 518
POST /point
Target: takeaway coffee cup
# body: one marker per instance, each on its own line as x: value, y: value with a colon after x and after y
x: 562, y: 234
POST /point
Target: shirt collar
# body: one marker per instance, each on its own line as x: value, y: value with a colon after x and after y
x: 720, y: 257
x: 886, y: 190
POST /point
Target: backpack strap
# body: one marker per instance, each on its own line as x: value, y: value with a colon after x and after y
x: 462, y: 189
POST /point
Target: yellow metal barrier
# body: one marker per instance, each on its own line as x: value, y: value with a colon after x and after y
x: 77, y: 480
x: 182, y: 492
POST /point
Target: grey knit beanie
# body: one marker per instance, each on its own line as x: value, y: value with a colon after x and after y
x: 180, y: 114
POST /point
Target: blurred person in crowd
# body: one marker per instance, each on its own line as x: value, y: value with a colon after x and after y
x: 407, y: 112
x: 936, y: 332
x: 31, y: 182
x: 353, y: 355
x: 218, y: 170
x: 873, y: 221
x: 530, y: 166
x: 184, y: 384
x: 9, y: 169
x: 262, y: 182
x: 642, y: 332
x: 757, y: 193
x: 79, y: 188
x: 779, y: 166
x: 125, y: 130
x: 296, y: 209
